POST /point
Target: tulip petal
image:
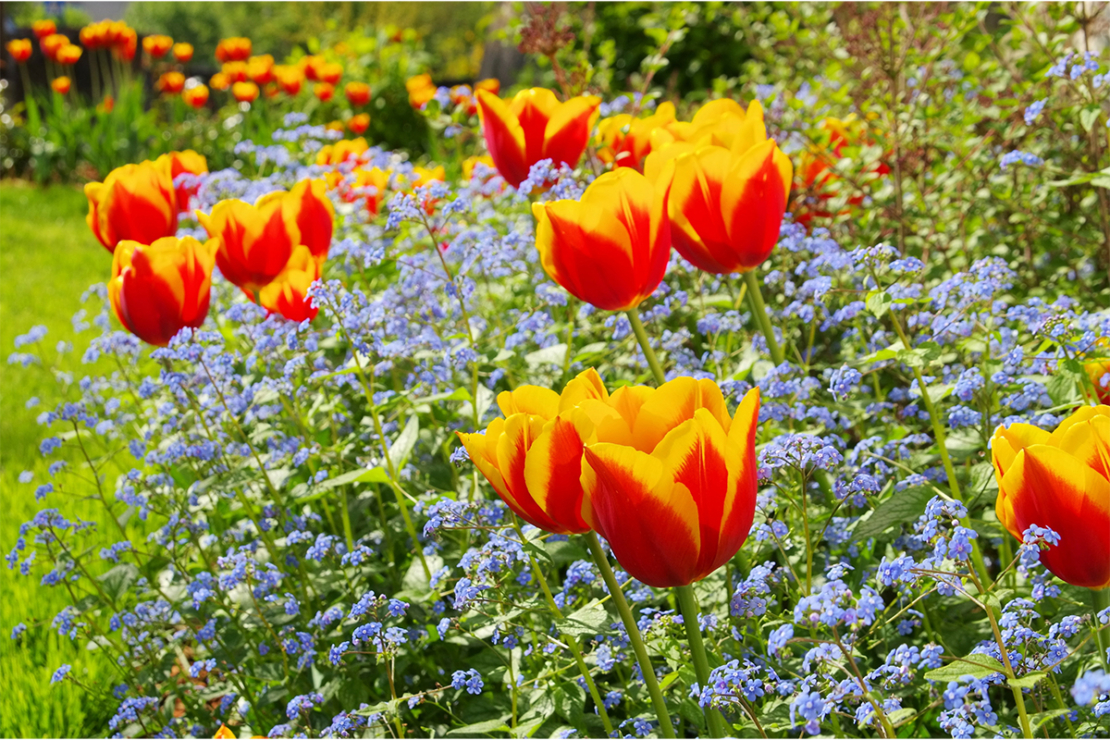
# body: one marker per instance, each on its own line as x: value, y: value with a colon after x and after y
x: 520, y: 432
x: 651, y: 522
x: 743, y: 474
x: 587, y: 384
x: 673, y: 403
x: 533, y: 108
x: 694, y: 206
x: 753, y: 201
x: 504, y: 137
x: 1087, y: 440
x: 552, y: 470
x: 1050, y: 488
x: 482, y: 451
x: 567, y: 131
x: 529, y: 399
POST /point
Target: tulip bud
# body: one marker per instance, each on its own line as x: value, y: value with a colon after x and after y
x: 532, y: 126
x: 609, y: 248
x: 135, y: 202
x: 157, y: 290
x: 61, y: 84
x: 157, y: 46
x: 183, y: 52
x: 245, y: 92
x: 358, y: 93
x: 20, y: 49
x: 357, y: 124
x: 323, y: 91
x: 196, y: 96
x: 170, y: 83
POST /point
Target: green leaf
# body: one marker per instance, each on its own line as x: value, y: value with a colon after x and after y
x: 402, y: 446
x: 488, y: 727
x: 116, y: 581
x: 1038, y: 719
x: 901, y: 508
x: 879, y: 302
x: 553, y: 355
x: 976, y: 666
x: 586, y: 622
x: 528, y: 729
x: 374, y: 475
x: 1088, y: 116
x: 882, y: 355
x: 1027, y: 681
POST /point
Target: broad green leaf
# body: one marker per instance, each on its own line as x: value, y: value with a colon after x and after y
x: 976, y: 666
x: 553, y: 355
x: 1088, y: 116
x: 878, y: 302
x: 117, y: 580
x: 402, y: 446
x: 1027, y: 681
x: 586, y: 622
x: 903, y: 507
x: 489, y: 727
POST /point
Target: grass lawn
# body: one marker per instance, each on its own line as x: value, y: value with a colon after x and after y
x: 48, y: 258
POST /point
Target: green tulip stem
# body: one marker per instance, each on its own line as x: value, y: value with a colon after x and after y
x: 602, y: 561
x: 642, y: 337
x: 759, y: 309
x: 1100, y: 599
x: 572, y: 642
x: 688, y: 605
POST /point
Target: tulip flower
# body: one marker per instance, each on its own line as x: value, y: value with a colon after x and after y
x: 61, y: 84
x: 43, y: 28
x: 1099, y: 373
x: 421, y: 89
x: 170, y: 83
x: 20, y: 49
x: 236, y: 49
x: 610, y: 247
x: 330, y: 73
x: 1060, y: 480
x: 68, y: 54
x: 310, y: 209
x: 255, y: 242
x: 219, y: 81
x: 323, y: 91
x: 469, y: 166
x: 223, y: 733
x: 157, y: 46
x: 534, y: 125
x: 311, y: 66
x: 372, y: 178
x: 183, y: 52
x: 260, y: 69
x: 245, y: 92
x: 626, y: 141
x: 726, y: 205
x: 533, y: 457
x: 341, y: 151
x: 196, y: 96
x: 179, y: 163
x: 817, y: 181
x: 289, y: 79
x: 52, y: 44
x: 236, y: 71
x: 358, y: 123
x: 135, y: 202
x: 358, y: 93
x: 671, y: 483
x: 287, y: 294
x: 159, y: 289
x: 94, y: 36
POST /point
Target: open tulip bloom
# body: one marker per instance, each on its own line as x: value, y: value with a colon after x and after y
x: 135, y: 202
x: 1060, y: 480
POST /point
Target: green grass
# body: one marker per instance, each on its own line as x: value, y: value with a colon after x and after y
x: 48, y: 258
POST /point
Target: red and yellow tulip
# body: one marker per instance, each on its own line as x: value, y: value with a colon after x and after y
x: 170, y: 83
x: 726, y: 203
x: 195, y: 96
x: 235, y: 49
x: 68, y: 55
x: 178, y: 163
x: 43, y: 28
x: 611, y: 247
x: 626, y: 141
x: 61, y: 84
x: 670, y: 481
x: 358, y: 123
x: 421, y: 89
x: 157, y: 45
x: 533, y: 456
x: 183, y: 52
x: 158, y: 289
x: 20, y: 49
x: 358, y: 93
x: 244, y: 92
x: 534, y: 125
x: 287, y: 294
x: 1060, y: 480
x: 135, y: 202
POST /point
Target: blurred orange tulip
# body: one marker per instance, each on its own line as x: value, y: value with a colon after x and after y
x: 341, y: 151
x: 331, y: 72
x: 670, y: 478
x: 184, y: 162
x: 219, y: 81
x: 61, y: 84
x: 1060, y: 480
x: 323, y: 91
x: 157, y: 45
x: 260, y: 69
x: 159, y: 289
x: 94, y: 36
x: 223, y: 733
x: 726, y: 204
x: 236, y: 49
x: 534, y: 125
x: 287, y: 294
x: 236, y: 71
x: 311, y: 66
x: 135, y: 202
x: 358, y: 93
x: 358, y: 123
x: 170, y: 83
x: 289, y: 78
x: 69, y: 54
x: 1099, y: 373
x: 43, y: 28
x: 52, y: 44
x: 421, y: 90
x: 255, y: 242
x: 196, y: 96
x: 609, y: 248
x: 533, y: 456
x: 372, y: 179
x: 183, y: 52
x: 313, y: 213
x: 20, y: 49
x: 245, y: 92
x: 625, y: 141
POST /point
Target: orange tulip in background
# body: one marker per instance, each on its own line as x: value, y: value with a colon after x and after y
x: 358, y: 123
x: 157, y: 290
x: 311, y: 66
x: 421, y: 89
x: 20, y: 49
x: 727, y: 199
x: 52, y: 44
x: 611, y: 247
x: 183, y: 52
x: 135, y: 202
x: 289, y: 78
x: 157, y: 46
x: 178, y: 163
x: 219, y: 81
x: 196, y: 96
x: 245, y: 92
x: 61, y: 84
x: 671, y: 479
x: 43, y: 28
x: 323, y: 91
x: 341, y: 151
x: 1096, y: 371
x: 817, y: 181
x: 68, y: 54
x: 260, y: 69
x: 287, y: 294
x: 625, y: 141
x: 533, y: 457
x: 236, y: 71
x: 358, y: 93
x: 330, y: 73
x: 1060, y: 480
x: 534, y: 125
x: 236, y: 49
x: 170, y: 83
